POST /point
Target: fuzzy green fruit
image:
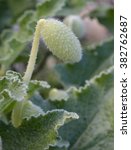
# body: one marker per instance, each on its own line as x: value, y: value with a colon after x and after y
x: 61, y: 41
x: 76, y: 24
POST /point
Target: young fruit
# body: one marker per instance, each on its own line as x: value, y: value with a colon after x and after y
x: 76, y: 24
x: 58, y: 95
x: 61, y: 41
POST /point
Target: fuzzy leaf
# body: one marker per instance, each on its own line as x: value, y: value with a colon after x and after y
x: 12, y: 84
x: 24, y: 110
x: 50, y: 7
x: 93, y: 58
x: 17, y: 7
x: 89, y: 102
x: 30, y: 110
x: 12, y: 90
x: 35, y: 85
x: 26, y: 26
x: 6, y: 103
x: 99, y: 133
x: 37, y: 133
x: 10, y: 48
x: 61, y: 145
x: 14, y: 94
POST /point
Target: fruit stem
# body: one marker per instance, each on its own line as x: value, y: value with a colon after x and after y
x: 34, y: 51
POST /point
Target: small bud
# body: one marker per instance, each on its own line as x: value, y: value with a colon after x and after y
x: 76, y: 24
x: 61, y: 41
x: 58, y: 95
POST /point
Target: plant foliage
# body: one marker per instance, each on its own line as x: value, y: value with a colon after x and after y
x: 72, y: 107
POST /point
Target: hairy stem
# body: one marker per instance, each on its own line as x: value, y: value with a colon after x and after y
x: 34, y: 51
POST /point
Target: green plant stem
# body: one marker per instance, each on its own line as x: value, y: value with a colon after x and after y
x: 29, y: 71
x: 34, y: 51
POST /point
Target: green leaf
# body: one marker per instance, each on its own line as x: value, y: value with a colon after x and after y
x: 14, y: 94
x: 12, y: 84
x: 50, y: 7
x: 61, y: 145
x: 17, y: 7
x: 77, y: 3
x: 12, y: 90
x: 99, y: 133
x: 37, y: 133
x: 10, y: 49
x: 26, y: 27
x: 90, y: 102
x: 4, y: 14
x: 107, y: 63
x: 36, y: 85
x: 6, y: 103
x: 93, y: 62
x: 24, y: 110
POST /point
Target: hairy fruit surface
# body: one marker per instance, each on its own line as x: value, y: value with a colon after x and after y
x: 61, y: 41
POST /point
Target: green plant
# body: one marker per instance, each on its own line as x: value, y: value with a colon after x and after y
x: 80, y: 89
x: 60, y: 40
x: 14, y: 104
